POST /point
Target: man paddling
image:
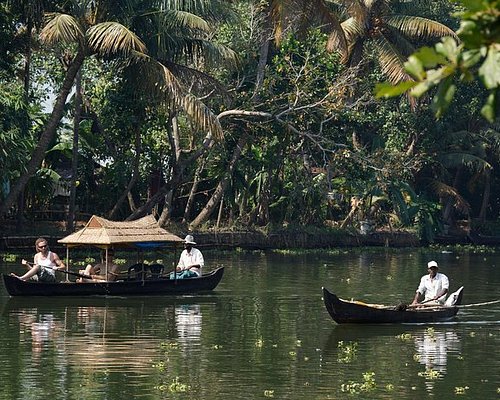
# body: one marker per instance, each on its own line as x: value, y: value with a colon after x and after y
x: 434, y: 287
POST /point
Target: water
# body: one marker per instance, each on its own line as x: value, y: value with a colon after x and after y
x: 263, y: 333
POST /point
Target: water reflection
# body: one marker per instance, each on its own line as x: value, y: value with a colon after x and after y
x: 188, y: 323
x: 432, y: 348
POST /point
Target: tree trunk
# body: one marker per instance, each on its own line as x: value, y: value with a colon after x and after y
x: 47, y: 134
x: 192, y: 192
x: 221, y: 187
x: 70, y: 222
x: 133, y: 179
x: 486, y: 195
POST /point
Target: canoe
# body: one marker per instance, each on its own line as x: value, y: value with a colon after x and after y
x: 126, y: 287
x: 355, y: 312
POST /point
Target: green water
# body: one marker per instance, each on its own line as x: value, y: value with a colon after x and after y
x: 263, y: 333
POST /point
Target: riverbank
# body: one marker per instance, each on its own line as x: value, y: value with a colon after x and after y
x: 281, y: 240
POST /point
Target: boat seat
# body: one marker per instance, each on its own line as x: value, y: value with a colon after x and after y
x: 137, y: 272
x: 156, y: 270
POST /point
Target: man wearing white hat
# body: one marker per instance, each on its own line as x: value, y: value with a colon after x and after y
x: 191, y: 261
x: 433, y: 286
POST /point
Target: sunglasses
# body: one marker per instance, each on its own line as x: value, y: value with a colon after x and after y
x: 43, y: 247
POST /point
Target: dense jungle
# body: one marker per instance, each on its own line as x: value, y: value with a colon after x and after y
x: 279, y: 115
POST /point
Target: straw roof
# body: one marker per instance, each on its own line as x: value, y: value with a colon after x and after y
x: 143, y: 232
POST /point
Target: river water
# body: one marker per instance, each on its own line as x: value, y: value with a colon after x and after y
x: 263, y: 333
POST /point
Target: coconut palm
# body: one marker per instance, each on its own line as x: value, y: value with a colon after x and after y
x: 373, y: 22
x: 89, y: 31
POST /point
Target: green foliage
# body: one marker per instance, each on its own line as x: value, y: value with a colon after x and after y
x: 477, y: 56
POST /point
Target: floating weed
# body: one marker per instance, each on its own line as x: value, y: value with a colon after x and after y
x: 430, y: 374
x: 347, y: 351
x: 9, y: 258
x: 175, y: 387
x: 367, y: 385
x: 388, y: 277
x: 431, y: 331
x: 389, y: 387
x: 472, y: 334
x: 216, y: 346
x: 268, y: 393
x: 259, y: 343
x: 169, y: 345
x: 460, y: 357
x: 160, y: 366
x: 405, y: 336
x: 461, y: 389
x: 416, y: 357
x: 292, y: 353
x: 298, y: 343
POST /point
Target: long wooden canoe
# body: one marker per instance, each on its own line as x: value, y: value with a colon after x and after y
x: 126, y: 287
x: 355, y: 312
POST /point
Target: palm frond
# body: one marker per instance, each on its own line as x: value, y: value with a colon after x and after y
x: 443, y: 190
x: 108, y: 38
x: 472, y: 162
x: 391, y: 60
x: 162, y: 83
x: 404, y: 46
x: 62, y: 28
x: 419, y: 28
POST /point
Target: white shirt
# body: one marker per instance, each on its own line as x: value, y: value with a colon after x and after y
x: 194, y: 257
x: 431, y: 287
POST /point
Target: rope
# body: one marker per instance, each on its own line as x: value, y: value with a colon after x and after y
x: 478, y: 304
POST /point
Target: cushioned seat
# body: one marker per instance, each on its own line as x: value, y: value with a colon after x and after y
x: 138, y: 272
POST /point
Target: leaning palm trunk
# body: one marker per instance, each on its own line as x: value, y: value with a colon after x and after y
x: 70, y: 221
x: 221, y: 186
x: 133, y: 179
x: 47, y: 134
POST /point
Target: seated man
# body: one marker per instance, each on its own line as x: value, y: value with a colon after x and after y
x: 98, y: 272
x: 191, y: 261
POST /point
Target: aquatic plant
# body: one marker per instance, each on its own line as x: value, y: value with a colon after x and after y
x: 430, y: 374
x: 347, y: 351
x: 461, y: 389
x: 9, y: 258
x: 367, y: 385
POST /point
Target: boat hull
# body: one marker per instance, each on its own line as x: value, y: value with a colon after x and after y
x: 147, y: 287
x: 346, y: 312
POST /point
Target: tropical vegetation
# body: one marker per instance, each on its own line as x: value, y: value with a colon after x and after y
x: 247, y: 114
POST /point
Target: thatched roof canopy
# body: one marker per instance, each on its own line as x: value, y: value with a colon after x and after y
x: 144, y: 232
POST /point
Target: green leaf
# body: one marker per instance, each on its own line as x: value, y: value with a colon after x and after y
x: 415, y: 68
x: 448, y: 48
x: 489, y: 109
x: 489, y: 72
x: 444, y: 96
x: 387, y: 90
x: 429, y: 57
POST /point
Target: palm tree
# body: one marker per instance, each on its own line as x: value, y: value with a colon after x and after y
x: 106, y: 39
x: 373, y: 22
x: 89, y: 30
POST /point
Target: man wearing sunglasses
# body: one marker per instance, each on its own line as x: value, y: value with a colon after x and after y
x: 45, y: 263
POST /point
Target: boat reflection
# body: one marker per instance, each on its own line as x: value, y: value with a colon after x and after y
x: 103, y: 334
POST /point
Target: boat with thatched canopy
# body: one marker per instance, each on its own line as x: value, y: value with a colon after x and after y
x: 141, y: 278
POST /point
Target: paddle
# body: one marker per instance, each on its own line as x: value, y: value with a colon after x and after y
x: 24, y: 262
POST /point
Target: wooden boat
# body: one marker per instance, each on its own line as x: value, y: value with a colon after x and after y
x: 141, y: 280
x: 126, y: 287
x: 355, y: 312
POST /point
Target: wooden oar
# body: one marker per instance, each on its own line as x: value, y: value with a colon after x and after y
x: 24, y: 262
